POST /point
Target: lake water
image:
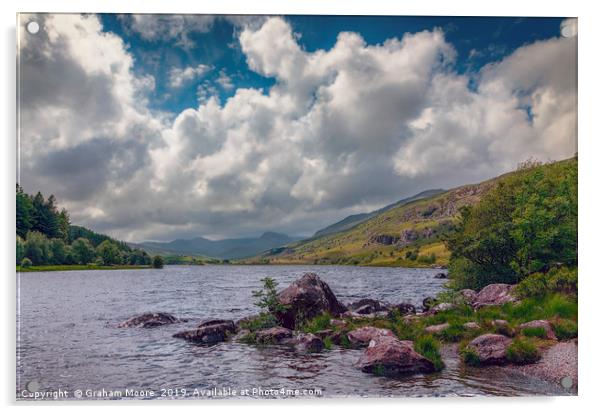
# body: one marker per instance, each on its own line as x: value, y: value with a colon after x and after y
x: 67, y: 337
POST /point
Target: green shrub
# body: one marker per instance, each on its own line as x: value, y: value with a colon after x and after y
x: 534, y: 332
x: 562, y: 280
x: 428, y: 347
x: 267, y: 297
x: 565, y: 329
x: 470, y: 357
x: 319, y: 323
x: 26, y: 263
x: 522, y: 351
x: 157, y: 262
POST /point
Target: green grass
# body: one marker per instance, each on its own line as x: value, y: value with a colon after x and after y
x: 61, y: 268
x: 522, y: 351
x: 328, y: 343
x: 319, y: 323
x: 428, y: 347
x: 565, y: 329
x: 470, y: 357
x: 537, y: 332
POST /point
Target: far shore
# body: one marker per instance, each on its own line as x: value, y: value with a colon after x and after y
x: 60, y: 268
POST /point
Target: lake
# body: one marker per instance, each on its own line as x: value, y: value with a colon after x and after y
x: 67, y: 337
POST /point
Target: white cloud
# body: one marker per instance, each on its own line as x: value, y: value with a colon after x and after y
x: 178, y: 77
x: 341, y: 131
x: 224, y: 80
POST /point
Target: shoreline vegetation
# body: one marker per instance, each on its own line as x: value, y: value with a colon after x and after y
x: 62, y: 268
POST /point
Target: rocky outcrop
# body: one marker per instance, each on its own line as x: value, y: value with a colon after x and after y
x: 306, y: 298
x: 210, y: 332
x: 494, y: 294
x: 385, y: 239
x: 388, y: 356
x: 543, y: 324
x: 490, y: 348
x: 440, y: 308
x: 361, y: 337
x: 435, y: 329
x: 302, y: 342
x: 150, y: 320
x: 367, y: 306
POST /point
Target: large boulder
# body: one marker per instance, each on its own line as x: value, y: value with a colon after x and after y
x: 150, y: 320
x: 494, y: 294
x: 543, y: 324
x: 366, y: 306
x: 388, y: 356
x: 208, y: 334
x: 361, y: 337
x: 306, y: 298
x: 490, y: 348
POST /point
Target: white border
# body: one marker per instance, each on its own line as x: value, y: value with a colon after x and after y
x: 589, y: 187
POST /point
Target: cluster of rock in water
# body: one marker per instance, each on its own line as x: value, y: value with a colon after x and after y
x: 384, y: 353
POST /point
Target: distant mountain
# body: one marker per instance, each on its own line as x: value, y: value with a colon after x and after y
x: 220, y: 249
x: 352, y: 221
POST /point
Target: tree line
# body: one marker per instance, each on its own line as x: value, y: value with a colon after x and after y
x: 45, y: 236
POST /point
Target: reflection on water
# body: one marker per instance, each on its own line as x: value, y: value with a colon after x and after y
x: 67, y: 336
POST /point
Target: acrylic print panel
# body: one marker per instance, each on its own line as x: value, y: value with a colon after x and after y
x: 262, y: 207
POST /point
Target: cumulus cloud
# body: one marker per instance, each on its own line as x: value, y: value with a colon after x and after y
x: 341, y: 131
x: 181, y: 76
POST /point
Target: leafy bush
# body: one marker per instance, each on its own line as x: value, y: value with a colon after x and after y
x: 522, y: 351
x: 565, y: 329
x: 26, y: 263
x: 267, y: 297
x: 527, y: 222
x: 562, y: 280
x: 428, y: 347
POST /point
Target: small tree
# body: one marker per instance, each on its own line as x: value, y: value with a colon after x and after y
x: 157, y: 262
x: 82, y: 251
x: 268, y: 297
x: 109, y: 253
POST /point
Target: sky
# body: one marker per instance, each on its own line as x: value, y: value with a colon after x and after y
x: 157, y: 127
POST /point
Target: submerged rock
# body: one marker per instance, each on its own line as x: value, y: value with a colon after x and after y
x: 208, y: 334
x: 306, y: 298
x: 490, y: 348
x: 441, y: 275
x: 361, y: 337
x: 402, y: 309
x: 306, y: 342
x: 494, y: 294
x: 150, y: 320
x: 274, y: 336
x: 388, y: 356
x: 543, y: 324
x: 365, y: 306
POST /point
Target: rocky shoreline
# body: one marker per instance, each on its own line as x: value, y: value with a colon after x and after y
x: 397, y: 339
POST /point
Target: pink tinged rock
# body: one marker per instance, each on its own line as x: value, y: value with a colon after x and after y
x: 491, y: 348
x: 209, y: 334
x: 390, y: 357
x: 433, y: 329
x: 547, y: 326
x: 277, y: 335
x: 471, y: 325
x: 306, y: 298
x: 495, y: 294
x: 469, y: 295
x: 361, y: 337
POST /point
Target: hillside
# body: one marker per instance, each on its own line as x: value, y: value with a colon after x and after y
x: 219, y: 249
x: 404, y: 234
x: 353, y: 220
